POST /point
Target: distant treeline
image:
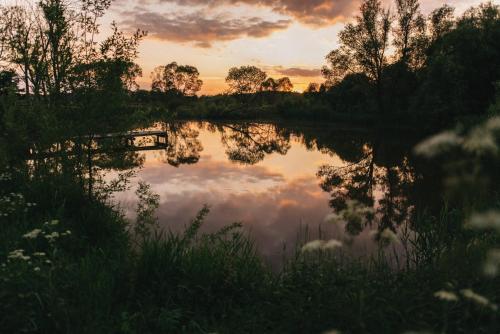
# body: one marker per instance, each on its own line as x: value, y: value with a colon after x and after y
x: 395, y: 64
x: 398, y: 65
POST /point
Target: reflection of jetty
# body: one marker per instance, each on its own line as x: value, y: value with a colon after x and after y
x: 159, y: 135
x: 97, y: 145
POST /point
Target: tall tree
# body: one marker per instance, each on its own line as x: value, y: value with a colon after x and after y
x: 280, y: 85
x: 363, y: 47
x: 19, y: 37
x: 284, y: 85
x: 313, y: 87
x: 60, y: 40
x: 269, y: 85
x: 442, y: 21
x: 245, y: 79
x: 409, y: 32
x: 183, y: 79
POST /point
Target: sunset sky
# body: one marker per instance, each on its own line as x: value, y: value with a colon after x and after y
x: 283, y: 37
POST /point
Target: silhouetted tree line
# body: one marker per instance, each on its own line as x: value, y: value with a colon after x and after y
x: 390, y: 64
x: 442, y: 66
x: 52, y: 59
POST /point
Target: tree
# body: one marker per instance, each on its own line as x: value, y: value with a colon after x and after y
x: 60, y: 38
x: 284, y: 85
x: 269, y: 85
x: 280, y: 85
x: 312, y: 88
x: 409, y: 34
x: 8, y: 82
x: 463, y: 64
x: 363, y: 47
x: 183, y: 79
x: 245, y: 79
x: 441, y: 21
x: 21, y: 41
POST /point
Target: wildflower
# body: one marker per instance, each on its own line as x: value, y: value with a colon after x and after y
x: 389, y: 236
x: 480, y: 141
x: 478, y: 299
x: 486, y: 220
x: 39, y: 254
x: 313, y: 246
x: 355, y: 216
x: 18, y: 254
x: 437, y: 144
x: 446, y: 296
x: 333, y: 218
x: 493, y: 124
x: 54, y: 222
x: 492, y: 265
x: 36, y: 269
x: 33, y: 234
x: 332, y: 244
x: 48, y: 261
x: 52, y: 237
x: 5, y: 176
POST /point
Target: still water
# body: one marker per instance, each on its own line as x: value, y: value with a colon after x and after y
x: 279, y: 181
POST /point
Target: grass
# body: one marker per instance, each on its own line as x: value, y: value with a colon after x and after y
x: 100, y: 280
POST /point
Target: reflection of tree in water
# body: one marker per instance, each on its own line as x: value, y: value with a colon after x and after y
x: 183, y: 145
x: 373, y: 175
x: 89, y: 159
x: 352, y: 181
x: 249, y: 143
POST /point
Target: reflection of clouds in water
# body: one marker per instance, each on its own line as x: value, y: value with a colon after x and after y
x: 273, y: 216
x: 208, y: 173
x: 275, y: 198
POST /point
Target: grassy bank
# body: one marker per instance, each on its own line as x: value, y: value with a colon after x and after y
x: 71, y: 266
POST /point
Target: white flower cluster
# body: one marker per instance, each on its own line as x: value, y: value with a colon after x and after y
x: 492, y: 264
x: 447, y: 296
x: 386, y: 237
x: 485, y: 220
x: 36, y: 258
x: 481, y: 140
x: 467, y: 294
x: 478, y: 299
x: 9, y: 203
x: 354, y: 215
x: 32, y: 234
x: 438, y: 144
x: 321, y: 245
x: 18, y: 254
x: 48, y: 235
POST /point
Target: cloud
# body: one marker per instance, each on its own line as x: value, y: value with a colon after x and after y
x: 298, y: 72
x: 199, y: 29
x: 310, y: 12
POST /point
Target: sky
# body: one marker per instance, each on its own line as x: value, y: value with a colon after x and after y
x: 282, y: 37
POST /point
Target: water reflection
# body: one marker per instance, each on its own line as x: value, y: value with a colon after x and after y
x: 274, y: 178
x: 277, y: 179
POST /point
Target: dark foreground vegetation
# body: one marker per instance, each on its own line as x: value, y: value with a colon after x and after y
x: 71, y: 262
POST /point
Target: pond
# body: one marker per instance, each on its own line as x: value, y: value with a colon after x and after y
x: 280, y: 180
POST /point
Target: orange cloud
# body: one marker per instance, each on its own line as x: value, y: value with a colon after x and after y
x: 310, y: 12
x: 298, y: 71
x: 198, y: 29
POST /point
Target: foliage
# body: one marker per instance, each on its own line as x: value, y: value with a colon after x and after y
x: 173, y: 78
x: 245, y: 79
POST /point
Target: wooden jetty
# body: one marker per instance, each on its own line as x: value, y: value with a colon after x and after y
x: 160, y: 141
